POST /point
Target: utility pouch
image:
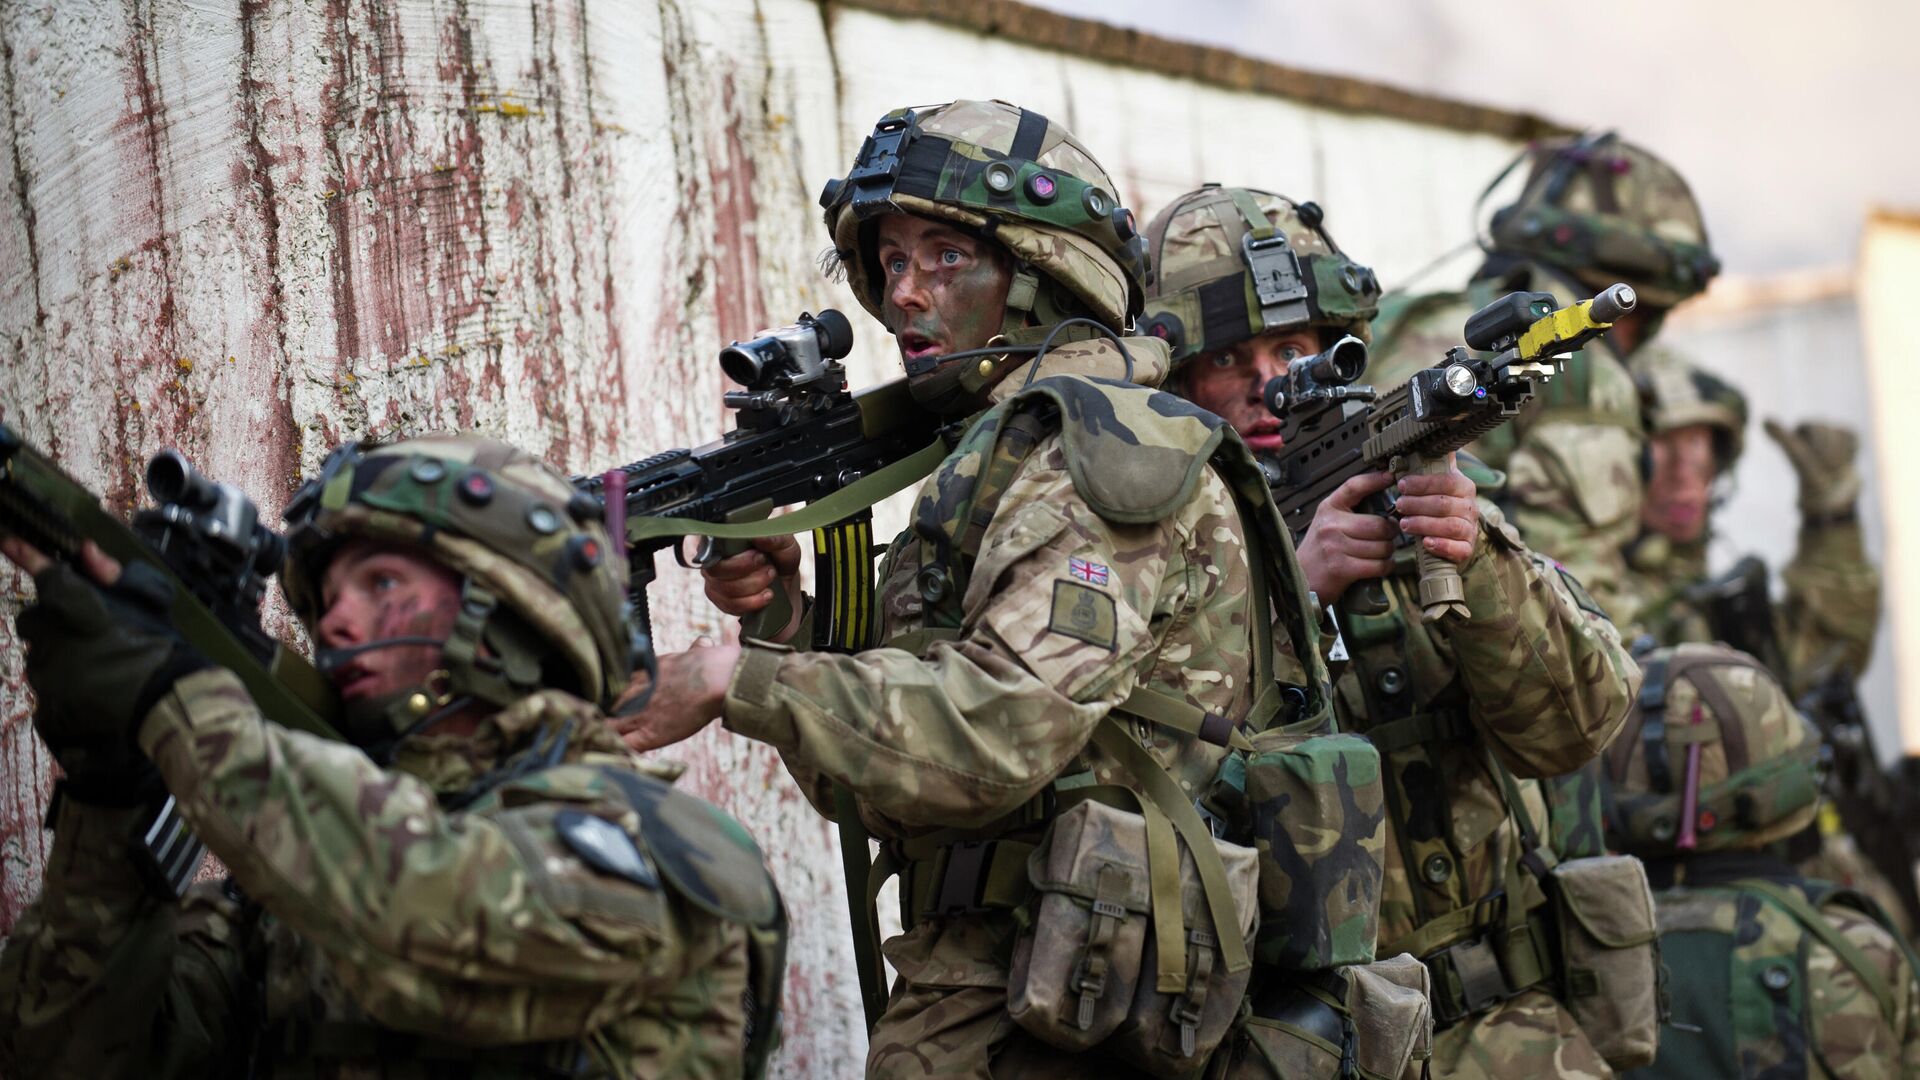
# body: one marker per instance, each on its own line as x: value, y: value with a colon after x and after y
x: 1610, y: 955
x: 1076, y: 965
x: 1088, y: 971
x: 1176, y: 1023
x: 1391, y: 1003
x: 1318, y: 809
x: 1371, y: 1021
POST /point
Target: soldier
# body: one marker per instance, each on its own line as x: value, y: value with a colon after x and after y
x: 1821, y: 636
x: 1466, y: 714
x: 1595, y: 210
x: 1071, y: 614
x: 487, y: 883
x: 1697, y: 424
x: 1771, y: 974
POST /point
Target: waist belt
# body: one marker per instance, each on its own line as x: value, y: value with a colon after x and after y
x: 964, y: 878
x: 1473, y: 976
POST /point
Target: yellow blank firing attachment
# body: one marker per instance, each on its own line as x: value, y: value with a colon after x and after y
x: 1571, y: 326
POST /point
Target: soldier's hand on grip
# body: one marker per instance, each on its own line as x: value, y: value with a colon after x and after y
x: 1438, y: 511
x: 1343, y: 546
x: 743, y: 584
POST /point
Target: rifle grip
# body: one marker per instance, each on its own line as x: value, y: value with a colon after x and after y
x: 1442, y: 593
x: 769, y: 620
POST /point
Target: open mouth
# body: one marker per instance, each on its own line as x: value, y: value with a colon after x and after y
x: 915, y: 345
x: 354, y: 682
x: 1263, y: 434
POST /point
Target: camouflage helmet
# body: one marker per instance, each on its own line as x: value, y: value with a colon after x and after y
x: 1229, y: 264
x: 1016, y: 177
x: 1760, y: 762
x: 1605, y: 210
x: 542, y: 590
x: 1676, y: 394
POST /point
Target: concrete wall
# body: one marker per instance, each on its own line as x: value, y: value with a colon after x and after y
x: 253, y: 230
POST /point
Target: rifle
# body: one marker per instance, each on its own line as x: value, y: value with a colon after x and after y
x: 800, y: 437
x: 207, y: 540
x: 1334, y: 430
x: 1875, y: 805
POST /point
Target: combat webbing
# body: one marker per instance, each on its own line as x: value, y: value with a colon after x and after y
x: 1159, y: 787
x: 1804, y: 913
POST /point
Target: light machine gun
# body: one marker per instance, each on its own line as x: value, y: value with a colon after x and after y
x: 800, y: 437
x: 1334, y: 430
x: 207, y: 540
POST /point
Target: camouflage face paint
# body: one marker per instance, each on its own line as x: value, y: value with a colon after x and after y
x: 376, y: 592
x: 945, y: 291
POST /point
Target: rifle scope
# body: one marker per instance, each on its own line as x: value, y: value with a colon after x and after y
x: 789, y: 355
x: 1315, y: 377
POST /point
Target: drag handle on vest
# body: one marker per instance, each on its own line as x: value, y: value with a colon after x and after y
x: 1441, y: 591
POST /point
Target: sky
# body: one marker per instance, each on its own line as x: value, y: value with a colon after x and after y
x: 1791, y: 121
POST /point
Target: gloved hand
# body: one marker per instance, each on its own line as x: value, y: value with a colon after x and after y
x: 98, y: 658
x: 1823, y: 457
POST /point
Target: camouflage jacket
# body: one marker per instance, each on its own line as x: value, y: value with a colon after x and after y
x: 963, y: 729
x: 1573, y: 455
x: 481, y: 941
x: 1536, y: 683
x: 1755, y: 994
x: 1827, y: 621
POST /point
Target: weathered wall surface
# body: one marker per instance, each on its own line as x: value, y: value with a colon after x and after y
x: 251, y: 230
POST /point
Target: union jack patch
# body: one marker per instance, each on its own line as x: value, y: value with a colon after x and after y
x: 1091, y: 572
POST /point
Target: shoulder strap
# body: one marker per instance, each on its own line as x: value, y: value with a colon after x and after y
x: 1793, y: 903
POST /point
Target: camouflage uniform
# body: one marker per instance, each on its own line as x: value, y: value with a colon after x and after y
x: 528, y: 899
x: 1771, y: 974
x: 1532, y: 685
x: 1832, y: 608
x: 1594, y: 211
x: 1050, y: 572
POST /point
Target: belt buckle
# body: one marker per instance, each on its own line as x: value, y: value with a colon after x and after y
x: 960, y: 880
x: 1476, y: 965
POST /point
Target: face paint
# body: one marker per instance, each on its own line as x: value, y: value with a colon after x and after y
x: 944, y: 290
x: 1229, y: 382
x: 375, y: 592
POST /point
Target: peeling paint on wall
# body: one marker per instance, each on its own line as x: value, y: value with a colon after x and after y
x: 252, y: 230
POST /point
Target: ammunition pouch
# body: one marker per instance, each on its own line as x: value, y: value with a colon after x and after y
x: 1318, y: 808
x: 1610, y: 956
x: 1367, y: 1020
x: 1121, y: 951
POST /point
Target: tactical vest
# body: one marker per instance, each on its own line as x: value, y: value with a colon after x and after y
x: 957, y: 872
x: 685, y: 844
x: 1291, y: 688
x: 1481, y: 948
x: 1736, y: 941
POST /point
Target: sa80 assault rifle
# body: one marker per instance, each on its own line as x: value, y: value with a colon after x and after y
x: 1334, y: 430
x: 206, y: 539
x: 800, y: 437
